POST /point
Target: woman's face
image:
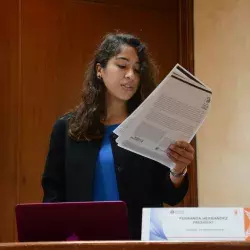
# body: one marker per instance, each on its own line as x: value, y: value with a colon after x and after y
x: 121, y: 76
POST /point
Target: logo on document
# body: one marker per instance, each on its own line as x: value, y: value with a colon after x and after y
x: 206, y: 103
x: 172, y: 212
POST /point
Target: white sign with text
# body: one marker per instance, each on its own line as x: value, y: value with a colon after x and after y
x: 196, y: 224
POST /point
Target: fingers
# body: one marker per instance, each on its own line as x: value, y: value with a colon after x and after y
x: 177, y: 158
x: 181, y: 152
x: 185, y: 145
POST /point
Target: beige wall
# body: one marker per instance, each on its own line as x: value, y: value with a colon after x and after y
x: 222, y: 61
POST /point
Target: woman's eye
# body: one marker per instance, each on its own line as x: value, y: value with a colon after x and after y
x: 121, y: 66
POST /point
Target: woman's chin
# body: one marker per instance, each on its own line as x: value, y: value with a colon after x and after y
x: 127, y: 96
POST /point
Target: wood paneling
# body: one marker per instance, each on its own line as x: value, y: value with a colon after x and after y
x: 9, y: 125
x: 134, y: 4
x: 46, y: 46
x: 42, y: 88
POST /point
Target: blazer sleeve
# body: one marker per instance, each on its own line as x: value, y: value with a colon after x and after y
x: 53, y: 177
x: 168, y: 192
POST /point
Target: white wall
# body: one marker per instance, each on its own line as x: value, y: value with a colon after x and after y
x: 222, y: 61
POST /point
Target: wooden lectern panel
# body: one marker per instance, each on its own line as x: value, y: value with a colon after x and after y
x: 131, y: 245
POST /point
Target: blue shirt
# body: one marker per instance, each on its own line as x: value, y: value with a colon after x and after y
x: 105, y: 188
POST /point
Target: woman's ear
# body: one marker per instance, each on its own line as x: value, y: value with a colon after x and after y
x: 98, y: 71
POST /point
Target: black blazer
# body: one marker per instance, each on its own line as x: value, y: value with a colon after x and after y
x: 70, y: 169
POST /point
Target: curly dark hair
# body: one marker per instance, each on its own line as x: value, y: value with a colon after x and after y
x: 85, y: 121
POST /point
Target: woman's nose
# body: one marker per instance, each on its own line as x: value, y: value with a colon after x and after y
x: 130, y: 74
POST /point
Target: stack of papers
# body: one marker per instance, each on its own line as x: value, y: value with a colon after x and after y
x: 174, y: 111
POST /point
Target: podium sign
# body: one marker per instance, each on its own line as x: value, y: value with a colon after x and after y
x: 196, y: 224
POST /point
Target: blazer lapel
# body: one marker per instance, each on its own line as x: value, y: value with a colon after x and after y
x: 80, y: 168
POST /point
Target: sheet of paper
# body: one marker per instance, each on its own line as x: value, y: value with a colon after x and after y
x: 174, y: 111
x: 196, y: 224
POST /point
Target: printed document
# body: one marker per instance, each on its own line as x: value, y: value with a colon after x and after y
x: 174, y: 111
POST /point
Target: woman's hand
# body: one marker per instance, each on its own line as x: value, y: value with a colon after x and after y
x: 182, y: 154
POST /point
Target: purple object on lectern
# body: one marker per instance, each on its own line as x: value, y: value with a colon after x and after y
x: 88, y: 221
x: 73, y: 237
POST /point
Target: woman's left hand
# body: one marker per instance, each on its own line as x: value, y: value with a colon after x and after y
x: 182, y: 154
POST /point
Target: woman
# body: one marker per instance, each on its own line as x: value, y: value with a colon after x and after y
x: 84, y: 163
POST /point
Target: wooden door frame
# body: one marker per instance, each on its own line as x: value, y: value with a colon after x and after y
x: 186, y: 59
